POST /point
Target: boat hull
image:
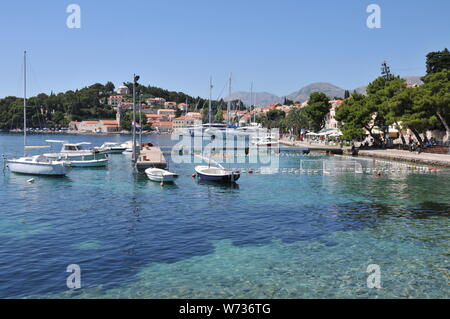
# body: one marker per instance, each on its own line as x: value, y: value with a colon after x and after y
x: 161, y: 178
x: 116, y: 150
x: 44, y: 169
x: 77, y: 157
x: 224, y: 177
x: 89, y: 163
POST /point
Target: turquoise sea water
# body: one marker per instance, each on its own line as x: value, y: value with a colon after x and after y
x: 271, y: 236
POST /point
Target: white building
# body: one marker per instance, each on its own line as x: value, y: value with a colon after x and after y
x: 330, y: 121
x: 123, y: 90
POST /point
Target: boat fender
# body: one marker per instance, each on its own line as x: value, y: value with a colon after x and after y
x: 250, y: 172
x: 194, y: 175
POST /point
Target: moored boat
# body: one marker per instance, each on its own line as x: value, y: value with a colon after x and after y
x: 37, y: 165
x: 76, y: 152
x: 160, y: 175
x: 111, y: 148
x: 89, y: 163
x: 216, y: 174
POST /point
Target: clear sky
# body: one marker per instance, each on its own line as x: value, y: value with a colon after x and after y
x: 280, y: 45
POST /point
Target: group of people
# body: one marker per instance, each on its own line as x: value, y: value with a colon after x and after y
x: 414, y: 145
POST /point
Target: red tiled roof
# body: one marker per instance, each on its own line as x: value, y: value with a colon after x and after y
x: 162, y: 123
x: 109, y: 122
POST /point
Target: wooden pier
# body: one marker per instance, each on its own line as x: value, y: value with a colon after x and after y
x: 150, y: 156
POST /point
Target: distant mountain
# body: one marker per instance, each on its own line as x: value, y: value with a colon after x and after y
x: 329, y: 89
x: 302, y: 95
x: 259, y: 98
x: 411, y: 80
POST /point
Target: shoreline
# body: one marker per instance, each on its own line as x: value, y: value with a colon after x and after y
x: 431, y: 159
x: 441, y: 160
x: 82, y: 133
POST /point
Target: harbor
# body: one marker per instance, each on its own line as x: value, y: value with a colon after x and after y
x: 173, y: 236
x: 225, y: 159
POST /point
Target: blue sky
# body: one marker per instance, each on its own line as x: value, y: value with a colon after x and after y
x: 178, y: 44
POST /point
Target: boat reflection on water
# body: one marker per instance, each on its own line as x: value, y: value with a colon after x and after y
x: 230, y: 185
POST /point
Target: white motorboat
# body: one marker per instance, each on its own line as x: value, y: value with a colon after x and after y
x: 33, y: 165
x: 75, y: 152
x: 111, y: 148
x: 160, y: 175
x: 268, y: 140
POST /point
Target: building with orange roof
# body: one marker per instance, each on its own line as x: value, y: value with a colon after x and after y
x: 155, y: 101
x: 170, y: 105
x: 115, y: 100
x: 102, y: 126
x: 163, y: 126
x: 186, y: 121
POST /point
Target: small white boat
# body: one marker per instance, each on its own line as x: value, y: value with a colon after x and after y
x: 89, y: 163
x: 268, y: 141
x: 37, y: 165
x: 160, y: 175
x: 111, y: 148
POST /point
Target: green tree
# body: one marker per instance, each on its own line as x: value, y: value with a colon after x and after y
x: 219, y: 116
x: 346, y: 94
x: 436, y: 94
x: 318, y: 107
x: 438, y: 61
x: 125, y: 123
x: 409, y: 108
x: 297, y: 119
x: 355, y: 116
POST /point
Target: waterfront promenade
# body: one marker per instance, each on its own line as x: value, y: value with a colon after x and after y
x: 397, y: 155
x: 389, y: 154
x: 311, y: 145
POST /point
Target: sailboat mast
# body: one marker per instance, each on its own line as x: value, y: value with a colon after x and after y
x: 25, y: 102
x: 251, y: 98
x: 209, y: 102
x: 140, y: 119
x: 229, y: 101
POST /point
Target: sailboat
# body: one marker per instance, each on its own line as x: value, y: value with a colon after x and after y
x: 33, y: 165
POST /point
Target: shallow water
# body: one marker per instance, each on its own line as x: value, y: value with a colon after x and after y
x: 273, y: 235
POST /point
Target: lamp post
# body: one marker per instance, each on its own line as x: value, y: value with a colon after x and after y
x: 135, y: 79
